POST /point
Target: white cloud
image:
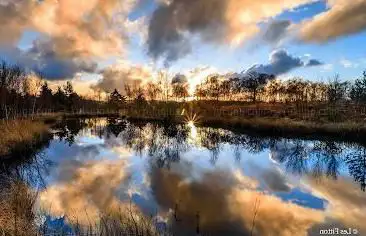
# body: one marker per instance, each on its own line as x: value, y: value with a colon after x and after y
x: 348, y: 64
x: 327, y: 67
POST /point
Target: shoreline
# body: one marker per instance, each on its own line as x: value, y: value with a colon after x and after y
x: 277, y: 127
x: 20, y: 134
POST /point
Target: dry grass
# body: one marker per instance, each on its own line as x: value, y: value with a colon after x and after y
x: 18, y: 133
x: 290, y: 120
x: 123, y: 222
x: 19, y: 216
x: 286, y: 127
x: 17, y: 210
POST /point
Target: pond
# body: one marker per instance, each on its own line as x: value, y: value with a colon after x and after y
x: 193, y: 180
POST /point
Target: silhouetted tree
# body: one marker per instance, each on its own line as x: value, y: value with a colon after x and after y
x: 153, y: 90
x: 213, y: 86
x: 358, y: 89
x: 273, y: 90
x: 11, y: 77
x: 337, y: 90
x: 116, y: 100
x: 180, y: 91
x: 46, y: 96
x: 73, y: 98
x: 60, y: 99
x: 254, y: 83
x: 140, y: 97
x: 200, y: 92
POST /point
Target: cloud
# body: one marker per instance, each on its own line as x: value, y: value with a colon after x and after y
x: 273, y: 177
x: 348, y: 64
x: 81, y: 87
x: 281, y: 62
x: 172, y: 25
x: 275, y: 180
x: 314, y: 62
x: 92, y: 189
x: 72, y: 34
x: 179, y: 79
x: 233, y: 195
x: 344, y: 17
x: 327, y: 67
x: 117, y: 76
x: 346, y: 203
x: 275, y: 31
x: 13, y: 20
x: 42, y: 58
x: 76, y: 28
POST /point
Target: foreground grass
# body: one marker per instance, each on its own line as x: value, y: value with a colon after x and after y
x: 20, y: 134
x: 19, y: 216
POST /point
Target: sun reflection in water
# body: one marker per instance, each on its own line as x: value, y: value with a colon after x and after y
x: 193, y: 131
x: 192, y: 119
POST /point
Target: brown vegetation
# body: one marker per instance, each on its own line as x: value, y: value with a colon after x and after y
x: 17, y: 215
x: 19, y: 134
x: 344, y: 120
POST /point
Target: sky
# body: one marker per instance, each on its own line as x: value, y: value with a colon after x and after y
x: 106, y: 43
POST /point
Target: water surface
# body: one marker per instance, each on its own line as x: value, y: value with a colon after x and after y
x: 200, y: 180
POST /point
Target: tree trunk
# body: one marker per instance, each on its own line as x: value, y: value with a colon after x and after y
x: 254, y: 98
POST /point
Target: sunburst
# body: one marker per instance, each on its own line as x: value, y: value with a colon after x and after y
x: 191, y: 118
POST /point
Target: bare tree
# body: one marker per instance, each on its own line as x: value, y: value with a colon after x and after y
x: 153, y: 90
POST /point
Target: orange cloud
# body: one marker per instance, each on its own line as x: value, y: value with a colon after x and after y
x: 343, y: 17
x: 225, y: 202
x: 91, y: 191
x: 84, y: 28
x: 346, y: 202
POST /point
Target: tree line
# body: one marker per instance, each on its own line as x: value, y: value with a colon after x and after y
x: 252, y: 87
x: 257, y: 87
x: 21, y: 91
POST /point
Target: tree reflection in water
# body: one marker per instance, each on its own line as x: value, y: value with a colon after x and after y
x: 67, y: 129
x: 328, y: 157
x: 356, y: 162
x: 29, y: 166
x: 165, y: 143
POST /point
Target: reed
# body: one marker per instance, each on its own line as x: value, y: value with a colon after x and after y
x: 17, y: 134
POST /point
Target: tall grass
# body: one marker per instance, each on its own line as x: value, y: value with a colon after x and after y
x: 19, y: 215
x: 128, y: 221
x: 17, y: 134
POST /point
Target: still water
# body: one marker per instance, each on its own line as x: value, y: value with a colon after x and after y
x: 198, y: 180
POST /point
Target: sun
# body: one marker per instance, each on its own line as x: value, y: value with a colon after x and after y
x: 191, y: 118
